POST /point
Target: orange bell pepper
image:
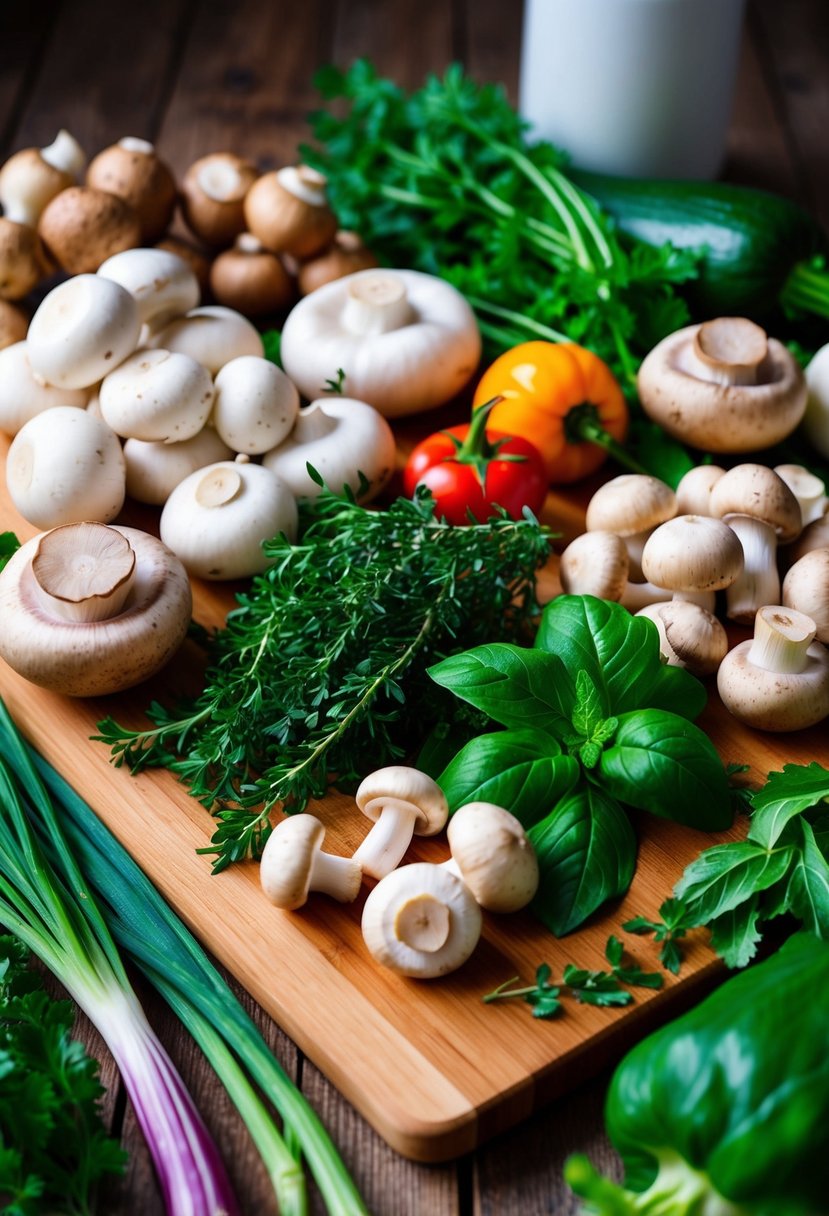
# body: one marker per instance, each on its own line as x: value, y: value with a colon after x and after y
x: 562, y: 398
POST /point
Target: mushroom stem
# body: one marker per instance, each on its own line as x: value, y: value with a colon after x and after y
x: 65, y: 153
x: 84, y: 572
x: 376, y: 304
x: 313, y: 423
x: 730, y: 350
x: 705, y: 599
x: 423, y: 923
x: 132, y: 143
x: 339, y: 877
x: 808, y: 489
x: 639, y: 595
x: 304, y: 183
x: 389, y: 838
x: 759, y: 583
x: 221, y: 180
x: 782, y: 638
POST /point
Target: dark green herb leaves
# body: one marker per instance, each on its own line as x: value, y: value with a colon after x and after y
x: 9, y: 544
x: 321, y: 667
x: 54, y: 1144
x: 583, y: 740
x: 668, y: 931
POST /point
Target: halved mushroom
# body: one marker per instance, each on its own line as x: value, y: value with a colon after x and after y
x: 421, y: 921
x: 293, y: 864
x: 401, y: 802
x: 133, y: 170
x: 723, y: 386
x: 82, y: 227
x: 779, y: 680
x: 492, y: 853
x: 88, y: 610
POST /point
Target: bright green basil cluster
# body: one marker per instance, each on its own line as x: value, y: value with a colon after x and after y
x: 593, y: 723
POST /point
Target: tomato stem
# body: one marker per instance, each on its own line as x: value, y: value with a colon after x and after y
x: 582, y: 425
x: 476, y: 449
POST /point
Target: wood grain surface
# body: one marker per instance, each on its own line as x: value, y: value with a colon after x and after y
x: 199, y: 74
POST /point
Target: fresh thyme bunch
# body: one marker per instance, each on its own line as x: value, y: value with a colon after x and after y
x: 320, y: 672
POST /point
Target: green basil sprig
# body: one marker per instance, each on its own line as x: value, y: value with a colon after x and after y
x: 594, y: 722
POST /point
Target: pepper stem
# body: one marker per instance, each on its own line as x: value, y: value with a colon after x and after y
x: 582, y: 425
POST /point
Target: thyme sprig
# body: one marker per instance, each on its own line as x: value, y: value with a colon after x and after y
x: 320, y: 669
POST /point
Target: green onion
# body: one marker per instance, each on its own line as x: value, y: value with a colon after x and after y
x: 152, y: 935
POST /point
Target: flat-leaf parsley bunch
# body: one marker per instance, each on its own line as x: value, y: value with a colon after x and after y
x: 321, y: 669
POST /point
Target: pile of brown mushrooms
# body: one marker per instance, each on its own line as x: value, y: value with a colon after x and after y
x: 723, y: 387
x: 256, y: 241
x: 421, y: 920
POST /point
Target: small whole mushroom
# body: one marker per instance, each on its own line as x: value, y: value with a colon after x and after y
x: 213, y: 194
x: 82, y: 227
x: 88, y: 610
x: 493, y: 855
x: 256, y: 406
x: 293, y: 864
x: 693, y: 556
x: 421, y: 921
x: 689, y: 635
x: 345, y: 255
x: 133, y: 170
x: 162, y: 284
x: 251, y: 279
x: 723, y: 386
x: 401, y: 802
x: 595, y: 563
x: 157, y: 395
x: 693, y: 491
x: 288, y: 211
x: 155, y: 469
x: 22, y: 396
x: 83, y: 329
x: 22, y: 260
x: 806, y: 588
x: 212, y: 335
x: 32, y: 177
x: 631, y: 505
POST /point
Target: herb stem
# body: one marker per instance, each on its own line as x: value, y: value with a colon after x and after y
x: 515, y: 318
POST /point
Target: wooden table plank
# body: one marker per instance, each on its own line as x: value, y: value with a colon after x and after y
x: 25, y: 31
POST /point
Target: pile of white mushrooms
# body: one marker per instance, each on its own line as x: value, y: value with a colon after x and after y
x: 421, y: 920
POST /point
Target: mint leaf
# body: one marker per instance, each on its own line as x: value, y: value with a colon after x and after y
x: 798, y: 788
x: 523, y: 770
x: 586, y: 853
x: 516, y: 687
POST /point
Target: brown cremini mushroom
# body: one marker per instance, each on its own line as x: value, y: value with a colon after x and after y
x: 13, y: 324
x: 196, y: 259
x: 723, y: 386
x: 87, y: 609
x: 345, y: 255
x: 22, y: 260
x: 133, y: 170
x: 293, y: 864
x: 82, y: 227
x: 32, y: 177
x: 251, y: 279
x: 401, y: 802
x: 288, y: 211
x: 213, y: 194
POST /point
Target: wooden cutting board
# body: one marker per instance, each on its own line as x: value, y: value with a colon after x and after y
x: 431, y: 1067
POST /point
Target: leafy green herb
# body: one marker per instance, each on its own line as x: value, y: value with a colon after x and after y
x: 320, y: 669
x: 589, y: 731
x: 9, y: 544
x: 668, y: 931
x: 272, y: 343
x: 55, y: 1148
x: 335, y: 384
x: 444, y: 180
x: 602, y: 988
x: 781, y: 867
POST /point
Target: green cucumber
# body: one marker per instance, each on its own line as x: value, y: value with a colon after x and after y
x: 760, y: 251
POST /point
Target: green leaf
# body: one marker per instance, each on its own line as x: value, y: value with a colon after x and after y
x: 734, y: 934
x: 809, y: 885
x: 588, y: 711
x: 798, y: 788
x: 522, y: 770
x: 586, y: 852
x: 515, y: 686
x: 662, y: 763
x: 619, y: 653
x: 9, y: 544
x: 728, y: 875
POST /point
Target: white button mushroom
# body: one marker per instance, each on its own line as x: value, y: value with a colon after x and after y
x: 762, y: 510
x: 32, y: 177
x: 631, y: 505
x: 65, y: 466
x: 723, y: 386
x: 689, y: 635
x: 345, y: 440
x: 693, y: 491
x: 212, y: 196
x: 217, y: 519
x: 401, y: 802
x: 779, y: 680
x: 83, y: 329
x: 293, y: 864
x: 806, y: 588
x: 816, y: 418
x: 693, y: 556
x: 288, y: 211
x: 256, y: 405
x: 81, y: 227
x: 421, y: 921
x: 595, y: 563
x: 162, y: 284
x: 88, y: 610
x: 158, y: 396
x: 133, y: 170
x: 407, y: 341
x: 807, y: 488
x: 211, y: 335
x: 22, y: 397
x: 155, y: 469
x: 493, y: 855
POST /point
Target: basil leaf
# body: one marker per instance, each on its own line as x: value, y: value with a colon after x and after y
x: 798, y: 788
x: 586, y: 852
x: 664, y: 764
x: 522, y: 770
x: 620, y: 654
x: 587, y: 712
x: 727, y: 875
x: 809, y: 885
x: 516, y: 686
x: 735, y: 935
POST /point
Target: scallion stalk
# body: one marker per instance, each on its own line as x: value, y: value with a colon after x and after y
x: 47, y: 904
x: 151, y: 934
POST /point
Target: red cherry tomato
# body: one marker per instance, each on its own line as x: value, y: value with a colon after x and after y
x: 469, y: 471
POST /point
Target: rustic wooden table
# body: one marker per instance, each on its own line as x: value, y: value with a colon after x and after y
x: 198, y: 75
